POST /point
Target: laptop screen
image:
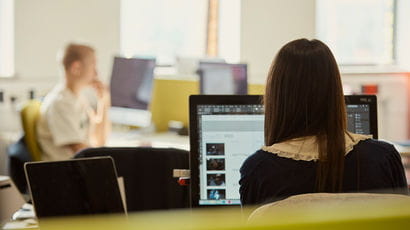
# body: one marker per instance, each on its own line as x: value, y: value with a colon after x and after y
x: 74, y: 187
x: 225, y: 130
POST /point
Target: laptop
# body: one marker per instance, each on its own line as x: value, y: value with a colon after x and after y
x: 226, y: 129
x: 74, y: 187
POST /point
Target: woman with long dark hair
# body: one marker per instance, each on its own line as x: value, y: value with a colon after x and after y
x: 307, y: 147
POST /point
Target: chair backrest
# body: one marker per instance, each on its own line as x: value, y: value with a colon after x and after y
x: 147, y: 174
x: 332, y: 201
x: 29, y: 116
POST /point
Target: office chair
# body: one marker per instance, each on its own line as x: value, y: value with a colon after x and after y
x: 26, y: 148
x: 147, y: 174
x: 29, y: 116
x: 337, y: 202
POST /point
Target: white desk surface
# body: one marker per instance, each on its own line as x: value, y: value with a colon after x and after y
x: 403, y: 150
x: 157, y: 140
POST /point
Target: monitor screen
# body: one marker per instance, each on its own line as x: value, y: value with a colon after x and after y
x: 225, y: 130
x: 227, y: 135
x: 74, y: 187
x: 131, y: 82
x: 223, y: 78
x: 358, y: 118
x: 131, y: 89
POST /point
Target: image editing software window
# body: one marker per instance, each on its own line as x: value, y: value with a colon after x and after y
x: 228, y: 135
x: 358, y: 118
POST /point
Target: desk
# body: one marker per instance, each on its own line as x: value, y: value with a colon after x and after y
x: 135, y: 138
x: 21, y: 224
x: 403, y: 150
x: 172, y: 140
x: 157, y: 140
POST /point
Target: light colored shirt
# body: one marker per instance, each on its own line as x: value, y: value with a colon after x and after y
x: 63, y: 120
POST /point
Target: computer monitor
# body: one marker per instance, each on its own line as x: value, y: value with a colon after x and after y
x: 362, y: 114
x: 226, y: 129
x: 189, y: 65
x: 131, y: 89
x: 74, y: 187
x: 223, y: 78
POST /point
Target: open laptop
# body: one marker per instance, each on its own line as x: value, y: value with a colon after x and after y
x: 226, y: 129
x: 74, y: 187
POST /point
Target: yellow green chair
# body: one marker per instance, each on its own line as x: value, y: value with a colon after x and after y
x: 30, y: 113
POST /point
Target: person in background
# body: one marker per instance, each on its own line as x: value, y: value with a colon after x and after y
x: 307, y: 147
x: 67, y: 122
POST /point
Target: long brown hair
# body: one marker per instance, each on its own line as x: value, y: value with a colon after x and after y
x: 304, y: 97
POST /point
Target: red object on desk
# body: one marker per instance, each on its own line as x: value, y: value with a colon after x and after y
x: 184, y: 181
x: 370, y: 89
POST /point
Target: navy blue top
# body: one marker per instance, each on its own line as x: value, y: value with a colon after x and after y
x: 372, y: 166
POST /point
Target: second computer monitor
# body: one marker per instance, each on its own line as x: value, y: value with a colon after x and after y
x: 223, y: 78
x: 131, y: 89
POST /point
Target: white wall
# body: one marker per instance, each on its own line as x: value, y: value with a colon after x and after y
x: 43, y: 27
x: 403, y: 34
x: 267, y: 25
x: 392, y: 101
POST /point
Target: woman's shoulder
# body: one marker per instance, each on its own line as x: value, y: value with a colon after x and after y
x: 254, y: 160
x: 257, y: 157
x: 375, y: 148
x: 375, y: 144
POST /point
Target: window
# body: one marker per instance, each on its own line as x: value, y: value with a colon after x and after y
x: 359, y: 32
x: 229, y: 31
x: 6, y: 38
x: 167, y: 29
x: 163, y: 28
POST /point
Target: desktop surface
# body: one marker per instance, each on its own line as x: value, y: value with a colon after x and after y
x: 147, y: 138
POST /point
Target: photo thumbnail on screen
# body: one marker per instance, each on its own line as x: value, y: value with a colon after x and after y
x: 215, y: 164
x: 216, y: 179
x: 215, y: 149
x: 216, y: 194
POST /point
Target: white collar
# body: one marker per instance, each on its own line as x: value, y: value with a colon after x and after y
x: 306, y: 148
